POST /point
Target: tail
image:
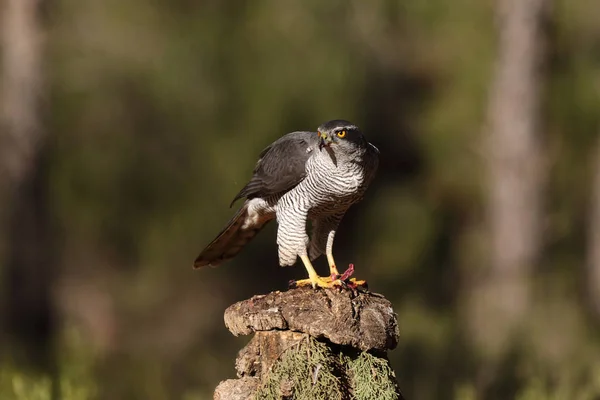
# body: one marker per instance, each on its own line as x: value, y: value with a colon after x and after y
x: 238, y: 232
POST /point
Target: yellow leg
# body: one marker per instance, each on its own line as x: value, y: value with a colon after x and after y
x: 333, y: 271
x: 335, y: 275
x: 313, y: 278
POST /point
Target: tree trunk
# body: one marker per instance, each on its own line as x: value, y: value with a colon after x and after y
x: 29, y: 262
x: 21, y: 132
x: 593, y: 264
x: 323, y: 344
x: 514, y: 173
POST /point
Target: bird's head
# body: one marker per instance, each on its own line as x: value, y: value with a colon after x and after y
x: 341, y: 136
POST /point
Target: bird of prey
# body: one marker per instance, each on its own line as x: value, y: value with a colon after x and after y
x: 301, y: 176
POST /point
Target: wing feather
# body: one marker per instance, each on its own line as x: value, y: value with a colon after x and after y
x: 281, y: 166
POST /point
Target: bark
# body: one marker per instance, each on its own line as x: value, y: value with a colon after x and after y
x: 514, y: 169
x: 323, y: 344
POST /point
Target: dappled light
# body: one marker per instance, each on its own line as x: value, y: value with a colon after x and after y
x: 127, y: 128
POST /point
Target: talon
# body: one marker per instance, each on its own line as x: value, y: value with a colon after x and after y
x: 354, y: 283
x: 313, y: 278
x: 318, y: 282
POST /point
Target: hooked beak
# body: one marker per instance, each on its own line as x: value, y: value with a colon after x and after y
x: 325, y: 140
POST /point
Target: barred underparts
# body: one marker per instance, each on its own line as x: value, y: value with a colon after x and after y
x: 301, y: 176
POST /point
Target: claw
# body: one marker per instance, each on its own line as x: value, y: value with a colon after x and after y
x: 355, y: 284
x: 317, y: 282
x: 342, y: 281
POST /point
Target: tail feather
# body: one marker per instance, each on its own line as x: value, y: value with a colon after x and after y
x: 231, y: 240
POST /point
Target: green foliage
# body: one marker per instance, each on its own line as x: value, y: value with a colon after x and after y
x: 538, y: 390
x: 75, y: 378
x: 20, y: 385
x: 15, y: 385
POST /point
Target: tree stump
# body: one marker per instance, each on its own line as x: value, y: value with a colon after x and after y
x: 313, y: 344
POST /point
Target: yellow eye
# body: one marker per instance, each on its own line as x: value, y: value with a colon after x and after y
x: 342, y: 134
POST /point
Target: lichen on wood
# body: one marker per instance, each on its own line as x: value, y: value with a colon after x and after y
x: 313, y: 344
x: 307, y: 371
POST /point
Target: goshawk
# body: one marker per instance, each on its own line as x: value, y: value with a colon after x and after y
x: 301, y: 176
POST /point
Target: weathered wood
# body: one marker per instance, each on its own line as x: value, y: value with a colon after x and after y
x: 265, y: 348
x: 237, y: 389
x: 362, y: 320
x: 313, y: 344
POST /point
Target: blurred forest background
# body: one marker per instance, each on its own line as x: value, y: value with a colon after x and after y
x: 128, y: 126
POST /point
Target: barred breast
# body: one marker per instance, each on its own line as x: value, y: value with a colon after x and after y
x: 333, y: 185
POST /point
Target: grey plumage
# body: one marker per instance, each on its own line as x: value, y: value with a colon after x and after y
x: 280, y: 166
x: 300, y: 176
